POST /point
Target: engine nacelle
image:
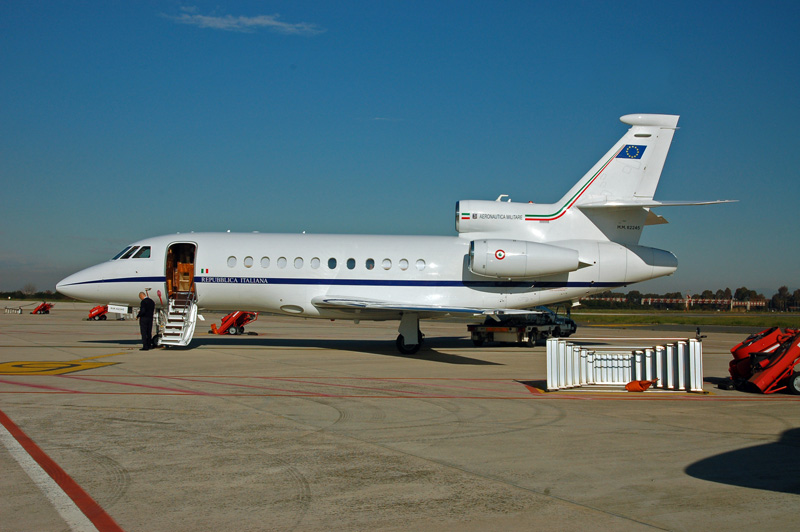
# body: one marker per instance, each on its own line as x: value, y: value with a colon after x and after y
x: 520, y: 259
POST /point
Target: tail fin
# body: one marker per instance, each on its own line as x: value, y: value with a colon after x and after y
x: 630, y: 171
x: 611, y: 202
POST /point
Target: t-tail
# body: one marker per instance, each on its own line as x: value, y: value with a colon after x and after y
x: 611, y: 202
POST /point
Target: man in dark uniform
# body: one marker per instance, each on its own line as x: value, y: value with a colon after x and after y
x: 145, y: 317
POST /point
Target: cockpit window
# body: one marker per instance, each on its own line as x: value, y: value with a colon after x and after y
x: 118, y: 255
x: 129, y: 253
x: 143, y: 253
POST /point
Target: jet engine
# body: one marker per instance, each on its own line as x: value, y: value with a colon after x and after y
x: 519, y: 259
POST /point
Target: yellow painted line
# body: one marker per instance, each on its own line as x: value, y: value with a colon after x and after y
x: 99, y: 356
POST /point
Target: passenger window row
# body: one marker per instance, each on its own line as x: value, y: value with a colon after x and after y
x: 332, y: 263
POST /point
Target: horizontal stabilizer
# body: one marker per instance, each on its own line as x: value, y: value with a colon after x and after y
x: 647, y: 204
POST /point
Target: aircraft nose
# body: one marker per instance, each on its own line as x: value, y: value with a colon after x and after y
x: 83, y: 285
x: 70, y: 286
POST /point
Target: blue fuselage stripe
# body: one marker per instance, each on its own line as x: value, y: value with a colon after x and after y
x: 363, y: 282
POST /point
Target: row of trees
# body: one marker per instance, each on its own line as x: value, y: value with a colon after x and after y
x: 782, y: 301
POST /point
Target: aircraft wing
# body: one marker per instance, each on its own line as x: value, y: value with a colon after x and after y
x: 364, y: 306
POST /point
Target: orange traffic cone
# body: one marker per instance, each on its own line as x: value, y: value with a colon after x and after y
x: 639, y: 386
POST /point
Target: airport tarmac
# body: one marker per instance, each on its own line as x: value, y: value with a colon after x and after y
x: 318, y: 425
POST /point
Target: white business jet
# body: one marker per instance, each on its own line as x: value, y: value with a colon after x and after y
x: 507, y: 257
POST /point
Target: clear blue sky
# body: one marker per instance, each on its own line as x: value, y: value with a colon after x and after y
x: 122, y: 120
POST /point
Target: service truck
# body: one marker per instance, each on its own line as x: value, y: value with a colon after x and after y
x: 540, y: 324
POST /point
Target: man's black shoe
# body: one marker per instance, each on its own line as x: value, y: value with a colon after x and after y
x: 144, y: 349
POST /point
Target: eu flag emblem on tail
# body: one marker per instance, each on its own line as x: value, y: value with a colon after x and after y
x: 630, y: 151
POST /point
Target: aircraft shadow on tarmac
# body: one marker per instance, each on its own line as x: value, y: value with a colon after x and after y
x: 429, y: 350
x: 771, y: 466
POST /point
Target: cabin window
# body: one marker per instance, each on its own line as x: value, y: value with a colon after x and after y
x: 265, y: 262
x: 403, y: 264
x: 231, y: 261
x: 248, y: 262
x: 121, y: 253
x: 351, y: 264
x: 281, y: 262
x: 420, y: 264
x: 130, y: 252
x: 298, y: 262
x: 315, y: 262
x: 387, y: 264
x: 370, y: 264
x: 332, y: 263
x: 143, y: 253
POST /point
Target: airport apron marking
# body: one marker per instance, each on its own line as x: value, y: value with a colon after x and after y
x: 53, y: 368
x: 73, y: 504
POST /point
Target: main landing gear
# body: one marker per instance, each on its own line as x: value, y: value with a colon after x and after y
x: 410, y: 338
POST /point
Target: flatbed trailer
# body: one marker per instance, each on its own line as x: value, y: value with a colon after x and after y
x: 525, y: 329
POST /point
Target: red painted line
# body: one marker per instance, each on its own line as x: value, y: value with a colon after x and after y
x: 373, y: 388
x: 93, y: 511
x: 163, y: 388
x: 40, y: 386
x: 451, y: 387
x: 204, y: 381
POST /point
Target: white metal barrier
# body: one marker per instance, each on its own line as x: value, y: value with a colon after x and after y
x: 676, y: 363
x: 10, y: 310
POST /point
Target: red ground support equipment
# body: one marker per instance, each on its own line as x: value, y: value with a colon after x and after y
x: 767, y: 341
x: 44, y: 308
x: 774, y: 370
x: 234, y: 322
x: 99, y: 313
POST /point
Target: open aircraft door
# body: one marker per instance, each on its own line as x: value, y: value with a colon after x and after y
x: 180, y: 268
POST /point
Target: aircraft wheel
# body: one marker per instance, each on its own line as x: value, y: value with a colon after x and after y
x: 556, y: 332
x: 531, y: 340
x: 794, y: 383
x: 405, y: 348
x: 156, y: 340
x: 103, y: 317
x: 240, y: 329
x: 233, y: 330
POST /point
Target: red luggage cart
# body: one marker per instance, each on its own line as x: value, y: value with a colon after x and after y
x: 43, y: 308
x: 234, y: 322
x: 100, y: 312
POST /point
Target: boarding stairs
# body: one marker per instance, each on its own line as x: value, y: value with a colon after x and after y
x: 180, y: 320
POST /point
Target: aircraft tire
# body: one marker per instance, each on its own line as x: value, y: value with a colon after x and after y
x: 233, y: 330
x: 405, y: 348
x: 103, y: 317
